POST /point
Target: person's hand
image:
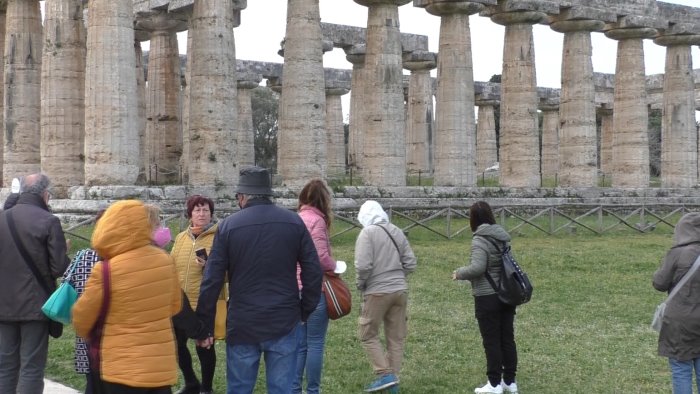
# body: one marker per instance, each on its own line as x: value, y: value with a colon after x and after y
x: 205, y: 343
x: 68, y: 244
x: 200, y: 261
x: 454, y: 275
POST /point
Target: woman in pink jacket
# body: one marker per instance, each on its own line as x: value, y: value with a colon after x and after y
x: 315, y: 210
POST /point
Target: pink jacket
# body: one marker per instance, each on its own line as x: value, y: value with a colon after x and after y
x: 316, y: 224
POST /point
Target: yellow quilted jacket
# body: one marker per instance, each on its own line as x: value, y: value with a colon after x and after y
x: 138, y: 346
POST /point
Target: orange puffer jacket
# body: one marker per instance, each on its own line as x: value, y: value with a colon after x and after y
x: 138, y: 347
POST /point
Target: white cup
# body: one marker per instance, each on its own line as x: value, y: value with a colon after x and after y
x: 340, y: 267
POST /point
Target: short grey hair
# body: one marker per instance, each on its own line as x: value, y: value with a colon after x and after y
x: 35, y: 184
x: 256, y: 196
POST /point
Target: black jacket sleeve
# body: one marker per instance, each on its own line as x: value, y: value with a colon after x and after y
x: 187, y: 321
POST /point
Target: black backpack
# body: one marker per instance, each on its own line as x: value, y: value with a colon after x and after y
x: 514, y: 287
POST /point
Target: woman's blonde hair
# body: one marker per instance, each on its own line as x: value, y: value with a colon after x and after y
x: 153, y: 213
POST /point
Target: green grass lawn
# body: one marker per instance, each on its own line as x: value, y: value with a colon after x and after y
x: 586, y: 329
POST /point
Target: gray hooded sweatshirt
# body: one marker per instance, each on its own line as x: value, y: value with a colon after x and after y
x: 680, y: 331
x: 380, y: 267
x: 484, y: 256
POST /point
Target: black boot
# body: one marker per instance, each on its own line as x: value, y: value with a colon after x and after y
x: 189, y: 388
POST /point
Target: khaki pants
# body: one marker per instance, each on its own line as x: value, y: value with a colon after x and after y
x: 391, y: 310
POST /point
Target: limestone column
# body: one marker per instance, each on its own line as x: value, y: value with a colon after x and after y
x: 606, y: 141
x: 111, y: 124
x: 578, y: 161
x: 301, y: 148
x: 63, y: 94
x: 486, y: 147
x: 335, y: 132
x: 213, y: 103
x: 22, y: 108
x: 246, y: 130
x: 356, y: 56
x: 519, y: 141
x: 455, y: 126
x: 185, y: 157
x: 551, y: 143
x: 2, y: 89
x: 384, y: 144
x: 141, y: 111
x: 419, y: 119
x: 163, y: 135
x: 630, y: 151
x: 679, y: 139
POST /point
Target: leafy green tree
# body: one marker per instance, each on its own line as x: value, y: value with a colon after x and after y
x: 265, y: 104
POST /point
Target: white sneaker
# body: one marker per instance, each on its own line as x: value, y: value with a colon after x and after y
x: 509, y: 388
x: 489, y: 389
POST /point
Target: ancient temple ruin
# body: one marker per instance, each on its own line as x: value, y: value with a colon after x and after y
x: 90, y: 111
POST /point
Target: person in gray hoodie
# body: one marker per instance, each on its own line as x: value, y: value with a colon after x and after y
x: 383, y: 259
x: 679, y: 338
x: 495, y: 318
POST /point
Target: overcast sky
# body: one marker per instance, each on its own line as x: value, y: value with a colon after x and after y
x: 263, y: 27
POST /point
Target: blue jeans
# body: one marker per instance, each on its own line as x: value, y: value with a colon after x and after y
x: 243, y: 361
x: 311, y: 343
x: 682, y: 375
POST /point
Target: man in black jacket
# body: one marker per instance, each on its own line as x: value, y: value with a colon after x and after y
x: 25, y: 284
x: 259, y: 248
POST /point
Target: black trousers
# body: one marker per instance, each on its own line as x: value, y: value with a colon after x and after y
x: 207, y: 361
x: 99, y: 386
x: 498, y: 337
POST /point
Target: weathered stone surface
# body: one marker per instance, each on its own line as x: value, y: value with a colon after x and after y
x: 2, y: 90
x: 551, y: 144
x: 606, y: 141
x: 357, y: 129
x: 141, y: 108
x: 246, y: 130
x: 335, y: 133
x: 486, y: 147
x: 419, y: 117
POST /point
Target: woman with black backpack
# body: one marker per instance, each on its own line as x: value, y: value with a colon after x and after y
x: 495, y: 318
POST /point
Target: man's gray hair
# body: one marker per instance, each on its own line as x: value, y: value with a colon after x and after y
x: 256, y: 196
x: 35, y: 184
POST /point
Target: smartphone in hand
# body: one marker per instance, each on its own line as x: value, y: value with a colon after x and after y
x: 201, y: 253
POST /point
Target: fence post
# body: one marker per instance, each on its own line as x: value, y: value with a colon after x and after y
x: 551, y: 220
x: 600, y: 219
x: 351, y: 176
x: 449, y: 221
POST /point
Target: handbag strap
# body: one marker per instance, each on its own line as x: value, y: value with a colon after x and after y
x: 684, y: 279
x: 69, y: 273
x: 25, y: 254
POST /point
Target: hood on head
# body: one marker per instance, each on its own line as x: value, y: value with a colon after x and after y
x: 123, y: 227
x: 371, y: 213
x: 688, y: 229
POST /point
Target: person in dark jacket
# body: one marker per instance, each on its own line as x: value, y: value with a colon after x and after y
x: 24, y: 329
x: 679, y: 337
x: 259, y: 247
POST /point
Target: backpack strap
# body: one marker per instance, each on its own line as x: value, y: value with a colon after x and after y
x: 486, y: 273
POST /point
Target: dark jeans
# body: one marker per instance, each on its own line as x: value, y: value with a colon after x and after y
x: 23, y: 354
x: 207, y: 361
x: 496, y: 326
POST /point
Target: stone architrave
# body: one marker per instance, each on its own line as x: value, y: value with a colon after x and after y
x: 419, y: 114
x: 486, y: 147
x: 141, y: 110
x: 679, y: 138
x: 519, y: 140
x: 577, y: 157
x: 356, y: 56
x: 22, y: 94
x: 384, y: 142
x: 606, y: 141
x: 630, y: 151
x: 213, y: 102
x: 301, y: 138
x: 335, y: 132
x: 111, y: 124
x: 455, y: 126
x: 551, y: 144
x: 2, y: 89
x: 163, y: 135
x: 246, y: 129
x: 63, y: 94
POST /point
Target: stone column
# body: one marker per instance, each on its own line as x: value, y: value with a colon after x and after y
x: 246, y: 130
x: 551, y: 144
x: 213, y: 103
x: 301, y: 148
x: 23, y: 43
x: 185, y: 157
x: 335, y: 132
x: 606, y: 141
x: 679, y: 138
x: 578, y: 161
x: 630, y: 152
x: 519, y: 141
x: 63, y: 94
x: 419, y: 119
x: 486, y: 147
x: 141, y: 110
x: 356, y: 56
x: 455, y: 126
x: 2, y: 90
x: 163, y: 135
x: 384, y: 144
x: 111, y: 124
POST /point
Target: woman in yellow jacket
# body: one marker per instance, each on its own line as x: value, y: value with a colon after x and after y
x: 137, y: 350
x: 189, y: 252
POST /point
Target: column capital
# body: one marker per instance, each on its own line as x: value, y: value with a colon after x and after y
x: 419, y: 60
x: 446, y: 7
x: 677, y: 39
x: 631, y: 32
x: 326, y: 46
x: 356, y: 54
x: 336, y: 91
x: 369, y: 3
x: 519, y: 17
x: 160, y: 21
x: 569, y: 26
x: 487, y: 103
x: 248, y: 80
x: 275, y: 84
